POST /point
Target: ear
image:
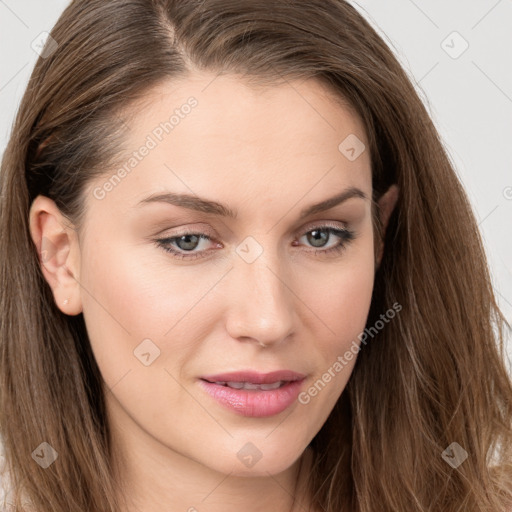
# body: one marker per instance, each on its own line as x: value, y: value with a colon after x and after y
x: 387, y: 204
x: 59, y: 253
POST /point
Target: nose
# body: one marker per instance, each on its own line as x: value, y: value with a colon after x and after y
x: 261, y: 304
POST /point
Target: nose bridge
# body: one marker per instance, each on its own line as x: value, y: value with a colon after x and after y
x: 263, y: 307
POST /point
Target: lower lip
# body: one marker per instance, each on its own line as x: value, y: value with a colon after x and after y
x: 255, y: 403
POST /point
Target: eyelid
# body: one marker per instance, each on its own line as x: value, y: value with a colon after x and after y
x: 321, y: 223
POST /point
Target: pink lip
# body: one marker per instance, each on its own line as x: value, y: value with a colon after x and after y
x: 254, y: 377
x: 255, y: 403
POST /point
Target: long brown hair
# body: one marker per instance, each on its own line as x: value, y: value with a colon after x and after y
x: 434, y: 376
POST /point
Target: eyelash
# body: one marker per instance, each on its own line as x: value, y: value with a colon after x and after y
x: 346, y: 236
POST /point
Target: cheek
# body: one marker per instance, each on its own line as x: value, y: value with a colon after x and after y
x: 343, y: 300
x: 343, y: 308
x: 346, y: 312
x: 128, y: 301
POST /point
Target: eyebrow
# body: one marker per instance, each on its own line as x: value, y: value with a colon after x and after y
x: 193, y: 202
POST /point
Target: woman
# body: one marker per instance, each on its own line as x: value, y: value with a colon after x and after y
x: 240, y: 272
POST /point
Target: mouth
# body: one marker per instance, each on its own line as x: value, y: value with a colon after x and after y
x: 251, y: 386
x: 256, y: 378
x: 254, y: 394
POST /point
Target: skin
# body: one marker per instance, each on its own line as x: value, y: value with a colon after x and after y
x: 268, y: 155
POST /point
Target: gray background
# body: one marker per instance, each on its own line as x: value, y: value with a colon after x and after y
x: 469, y: 94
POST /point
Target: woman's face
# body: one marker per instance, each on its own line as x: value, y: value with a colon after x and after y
x: 274, y: 287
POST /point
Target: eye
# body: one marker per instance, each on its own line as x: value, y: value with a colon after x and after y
x: 319, y: 236
x: 184, y: 245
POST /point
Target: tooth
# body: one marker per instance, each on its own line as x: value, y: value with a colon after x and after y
x: 275, y: 385
x: 249, y: 385
x: 236, y: 385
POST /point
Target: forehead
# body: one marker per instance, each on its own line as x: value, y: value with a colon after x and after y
x: 221, y: 137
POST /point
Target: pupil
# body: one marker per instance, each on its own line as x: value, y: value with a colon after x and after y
x: 314, y: 239
x: 186, y: 239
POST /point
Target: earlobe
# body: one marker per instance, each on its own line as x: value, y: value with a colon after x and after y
x: 57, y: 247
x: 386, y: 204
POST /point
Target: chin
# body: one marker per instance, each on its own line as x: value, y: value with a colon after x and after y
x: 261, y: 457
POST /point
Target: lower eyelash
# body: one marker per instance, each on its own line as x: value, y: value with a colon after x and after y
x: 345, y: 235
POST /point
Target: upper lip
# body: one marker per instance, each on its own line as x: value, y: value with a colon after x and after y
x: 255, y: 377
